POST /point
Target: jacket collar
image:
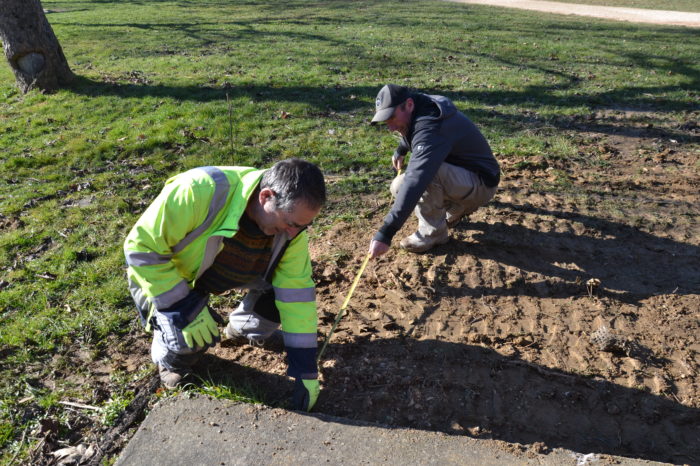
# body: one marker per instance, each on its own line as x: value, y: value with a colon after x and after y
x: 238, y: 200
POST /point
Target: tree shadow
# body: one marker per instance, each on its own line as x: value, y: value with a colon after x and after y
x: 330, y: 98
x: 333, y: 98
x: 344, y: 55
x: 473, y: 391
x: 631, y: 264
x: 337, y: 98
x: 5, y: 352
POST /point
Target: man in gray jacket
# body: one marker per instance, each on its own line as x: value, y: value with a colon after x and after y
x: 451, y: 173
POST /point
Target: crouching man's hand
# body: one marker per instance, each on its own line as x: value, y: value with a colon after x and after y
x: 377, y: 248
x: 305, y: 394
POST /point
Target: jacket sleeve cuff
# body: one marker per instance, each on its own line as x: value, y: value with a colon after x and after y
x: 184, y: 311
x: 302, y: 363
x: 385, y: 235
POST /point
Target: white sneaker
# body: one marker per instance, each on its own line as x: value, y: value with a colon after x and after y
x: 419, y: 243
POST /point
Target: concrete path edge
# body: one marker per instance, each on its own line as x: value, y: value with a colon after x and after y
x: 198, y: 430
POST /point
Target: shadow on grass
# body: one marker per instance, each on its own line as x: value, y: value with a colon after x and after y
x: 608, y: 47
x: 271, y: 389
x: 335, y: 98
x: 319, y: 97
x: 5, y: 352
x: 473, y: 391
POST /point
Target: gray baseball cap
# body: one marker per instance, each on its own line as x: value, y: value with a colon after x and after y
x: 389, y: 97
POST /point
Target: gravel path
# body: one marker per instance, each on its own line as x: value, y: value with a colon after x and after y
x: 635, y: 15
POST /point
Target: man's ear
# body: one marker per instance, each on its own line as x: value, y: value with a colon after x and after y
x: 266, y: 194
x: 410, y: 104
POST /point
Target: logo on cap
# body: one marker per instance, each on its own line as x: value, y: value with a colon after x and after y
x: 380, y: 98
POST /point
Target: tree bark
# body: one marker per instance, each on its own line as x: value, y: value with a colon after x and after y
x: 31, y: 48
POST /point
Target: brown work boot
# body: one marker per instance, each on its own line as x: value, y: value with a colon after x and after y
x: 419, y: 243
x: 172, y: 379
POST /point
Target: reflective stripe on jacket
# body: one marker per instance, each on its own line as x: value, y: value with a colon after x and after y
x: 178, y: 236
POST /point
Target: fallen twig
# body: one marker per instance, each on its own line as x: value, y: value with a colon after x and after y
x: 79, y: 405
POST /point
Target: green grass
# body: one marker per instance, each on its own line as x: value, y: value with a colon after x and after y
x: 78, y: 166
x: 674, y: 5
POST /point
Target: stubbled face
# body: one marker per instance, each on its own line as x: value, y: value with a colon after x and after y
x: 273, y: 221
x: 401, y: 118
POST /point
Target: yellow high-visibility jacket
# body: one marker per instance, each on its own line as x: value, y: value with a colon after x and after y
x: 177, y: 238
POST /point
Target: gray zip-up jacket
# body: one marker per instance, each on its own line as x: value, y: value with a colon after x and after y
x: 438, y: 133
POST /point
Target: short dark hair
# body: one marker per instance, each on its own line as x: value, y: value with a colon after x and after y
x: 294, y: 180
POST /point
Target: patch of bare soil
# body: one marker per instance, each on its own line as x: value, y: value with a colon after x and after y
x: 563, y: 314
x: 493, y: 335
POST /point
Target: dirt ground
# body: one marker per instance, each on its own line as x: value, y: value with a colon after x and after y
x: 492, y: 334
x: 634, y: 15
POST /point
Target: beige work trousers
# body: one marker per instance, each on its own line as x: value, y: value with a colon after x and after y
x: 455, y: 191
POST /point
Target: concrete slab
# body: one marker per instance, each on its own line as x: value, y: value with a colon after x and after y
x: 199, y: 430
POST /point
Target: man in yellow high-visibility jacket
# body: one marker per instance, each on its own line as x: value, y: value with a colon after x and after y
x: 212, y: 229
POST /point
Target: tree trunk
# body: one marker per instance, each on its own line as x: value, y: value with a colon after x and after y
x: 31, y: 47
